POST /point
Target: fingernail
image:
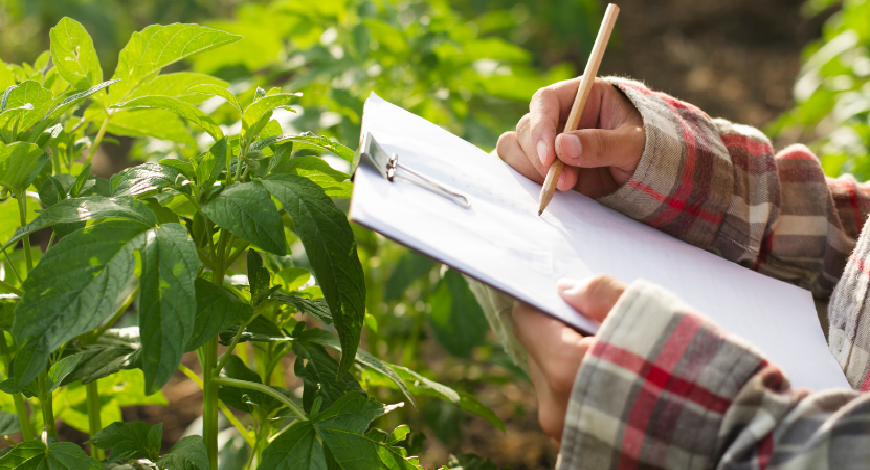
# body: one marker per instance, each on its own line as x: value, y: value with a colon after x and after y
x: 542, y: 151
x: 566, y: 283
x: 571, y: 145
x: 561, y: 183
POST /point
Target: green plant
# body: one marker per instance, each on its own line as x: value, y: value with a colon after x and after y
x: 832, y: 93
x: 163, y: 243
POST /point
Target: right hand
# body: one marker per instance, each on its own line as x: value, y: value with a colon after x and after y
x: 599, y: 157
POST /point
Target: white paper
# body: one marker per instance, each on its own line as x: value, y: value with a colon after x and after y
x: 502, y: 241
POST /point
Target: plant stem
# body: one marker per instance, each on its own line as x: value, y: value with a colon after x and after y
x: 210, y: 402
x: 22, y: 212
x: 47, y: 406
x: 233, y: 343
x: 10, y: 288
x: 299, y: 412
x: 226, y: 411
x: 20, y: 407
x: 99, y: 138
x: 94, y: 419
x: 12, y: 267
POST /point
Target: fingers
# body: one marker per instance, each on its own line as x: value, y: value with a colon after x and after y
x: 593, y: 297
x: 509, y: 150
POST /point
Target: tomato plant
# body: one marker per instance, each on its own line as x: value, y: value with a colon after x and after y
x: 198, y: 250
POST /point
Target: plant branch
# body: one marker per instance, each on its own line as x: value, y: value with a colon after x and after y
x: 232, y: 346
x: 99, y: 139
x: 20, y: 407
x: 10, y: 288
x: 47, y: 406
x: 94, y: 419
x: 12, y: 267
x: 226, y: 381
x: 226, y: 411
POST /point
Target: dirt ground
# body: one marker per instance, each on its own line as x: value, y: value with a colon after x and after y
x: 736, y: 59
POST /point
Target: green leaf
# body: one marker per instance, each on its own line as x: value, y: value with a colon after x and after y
x: 108, y: 355
x: 149, y: 122
x: 244, y: 399
x: 167, y: 301
x: 88, y: 208
x: 341, y: 427
x: 148, y: 179
x: 335, y: 183
x: 318, y: 308
x: 9, y: 217
x: 297, y: 448
x: 187, y: 454
x: 258, y: 113
x: 7, y: 313
x: 19, y: 164
x: 130, y: 441
x: 309, y: 140
x: 156, y: 47
x: 319, y: 371
x: 178, y: 85
x: 258, y: 277
x: 73, y: 289
x: 73, y: 53
x: 34, y: 455
x: 30, y: 93
x: 259, y: 329
x: 363, y: 357
x: 456, y: 318
x: 60, y: 370
x: 7, y: 78
x: 216, y: 309
x: 80, y: 181
x: 218, y: 90
x: 410, y: 267
x: 185, y: 110
x: 67, y: 103
x: 211, y: 163
x: 8, y: 424
x: 247, y: 211
x: 331, y: 250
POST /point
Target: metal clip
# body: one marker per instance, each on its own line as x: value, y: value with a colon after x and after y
x: 388, y: 166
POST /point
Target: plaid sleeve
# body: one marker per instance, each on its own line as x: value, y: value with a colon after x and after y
x: 665, y: 388
x: 719, y: 186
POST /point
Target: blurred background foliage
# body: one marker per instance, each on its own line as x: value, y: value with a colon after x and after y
x: 471, y: 66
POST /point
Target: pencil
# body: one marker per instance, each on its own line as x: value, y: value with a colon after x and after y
x: 580, y: 100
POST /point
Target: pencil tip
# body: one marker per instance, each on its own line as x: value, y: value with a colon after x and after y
x: 540, y: 211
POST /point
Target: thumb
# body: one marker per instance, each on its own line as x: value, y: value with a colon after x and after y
x: 593, y: 297
x: 596, y: 148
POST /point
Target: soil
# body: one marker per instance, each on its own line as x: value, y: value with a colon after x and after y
x: 736, y: 59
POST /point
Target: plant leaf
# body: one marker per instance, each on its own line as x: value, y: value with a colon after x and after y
x: 156, y: 46
x: 319, y: 371
x: 65, y: 105
x: 34, y: 455
x: 318, y: 308
x: 19, y: 165
x: 178, y: 85
x: 216, y: 309
x: 297, y: 448
x: 240, y: 398
x: 72, y: 290
x: 26, y: 93
x: 258, y: 113
x: 247, y: 211
x: 9, y: 424
x: 73, y: 53
x: 149, y: 122
x: 410, y: 267
x: 217, y: 90
x: 110, y: 354
x: 331, y: 250
x: 211, y: 163
x: 456, y: 318
x: 148, y: 179
x: 185, y: 110
x: 130, y: 441
x: 167, y: 301
x: 60, y: 370
x: 335, y: 183
x: 309, y: 140
x: 88, y: 208
x: 259, y: 329
x: 187, y: 454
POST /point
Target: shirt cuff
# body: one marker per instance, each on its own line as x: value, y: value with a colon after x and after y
x: 654, y: 388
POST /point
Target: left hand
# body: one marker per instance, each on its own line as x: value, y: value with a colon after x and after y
x: 555, y: 350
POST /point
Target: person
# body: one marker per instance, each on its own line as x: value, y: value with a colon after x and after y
x: 660, y: 385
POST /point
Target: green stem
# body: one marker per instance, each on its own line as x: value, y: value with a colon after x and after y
x: 226, y: 411
x: 210, y: 402
x: 47, y: 406
x: 20, y: 407
x: 254, y: 447
x: 12, y: 267
x: 226, y: 381
x: 94, y: 420
x: 10, y: 288
x: 22, y: 212
x: 99, y: 139
x: 50, y: 240
x: 232, y: 346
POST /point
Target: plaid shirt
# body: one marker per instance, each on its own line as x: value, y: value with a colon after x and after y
x: 664, y: 387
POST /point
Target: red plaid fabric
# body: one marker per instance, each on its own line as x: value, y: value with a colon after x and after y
x: 666, y: 388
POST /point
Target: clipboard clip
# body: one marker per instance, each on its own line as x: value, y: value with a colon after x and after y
x: 371, y: 153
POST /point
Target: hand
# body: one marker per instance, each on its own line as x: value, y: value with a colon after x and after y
x: 599, y: 158
x: 555, y: 350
